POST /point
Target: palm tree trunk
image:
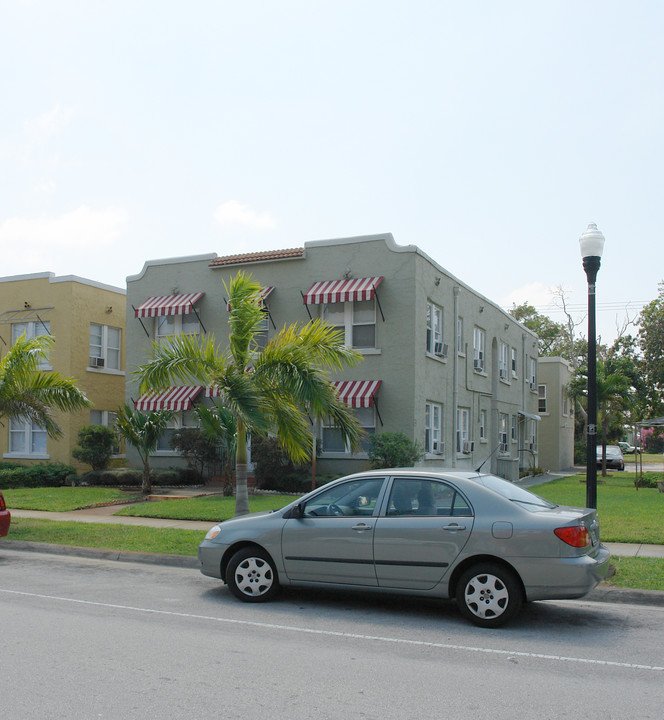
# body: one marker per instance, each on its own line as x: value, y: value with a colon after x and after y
x: 241, y: 491
x: 146, y: 486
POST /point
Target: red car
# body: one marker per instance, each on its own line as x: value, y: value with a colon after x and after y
x: 5, y: 517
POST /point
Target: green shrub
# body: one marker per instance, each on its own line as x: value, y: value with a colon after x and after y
x: 389, y: 450
x: 580, y: 452
x: 126, y: 477
x: 95, y: 446
x: 53, y: 474
x: 200, y: 452
x: 274, y: 470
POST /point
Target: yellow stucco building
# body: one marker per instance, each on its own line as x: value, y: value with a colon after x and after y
x: 87, y: 320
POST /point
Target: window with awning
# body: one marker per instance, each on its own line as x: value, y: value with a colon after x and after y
x: 358, y: 393
x: 174, y: 398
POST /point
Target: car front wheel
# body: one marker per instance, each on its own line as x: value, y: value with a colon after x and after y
x: 251, y: 575
x: 489, y: 595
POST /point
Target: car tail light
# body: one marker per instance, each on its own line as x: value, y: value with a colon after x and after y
x: 2, y: 503
x: 576, y: 536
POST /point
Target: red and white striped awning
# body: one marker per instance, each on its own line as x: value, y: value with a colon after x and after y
x: 168, y: 305
x: 331, y: 291
x: 357, y: 393
x: 262, y: 295
x: 175, y: 398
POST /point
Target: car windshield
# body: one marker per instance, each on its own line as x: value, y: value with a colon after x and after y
x: 514, y: 492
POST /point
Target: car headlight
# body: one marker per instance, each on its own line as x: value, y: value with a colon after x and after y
x: 213, y: 532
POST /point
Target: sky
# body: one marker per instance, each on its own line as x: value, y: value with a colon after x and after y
x: 489, y: 133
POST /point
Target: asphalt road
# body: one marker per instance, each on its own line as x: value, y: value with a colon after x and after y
x: 86, y: 638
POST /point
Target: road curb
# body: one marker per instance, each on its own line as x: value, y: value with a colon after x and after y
x: 182, y: 561
x: 602, y: 593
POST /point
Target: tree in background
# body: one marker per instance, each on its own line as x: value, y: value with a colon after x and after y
x: 196, y: 448
x: 390, y: 450
x: 651, y: 345
x: 142, y: 431
x: 274, y: 389
x: 95, y: 446
x: 31, y: 394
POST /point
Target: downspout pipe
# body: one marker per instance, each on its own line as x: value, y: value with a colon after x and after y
x: 455, y: 375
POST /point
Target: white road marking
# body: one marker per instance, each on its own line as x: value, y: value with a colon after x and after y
x: 353, y: 636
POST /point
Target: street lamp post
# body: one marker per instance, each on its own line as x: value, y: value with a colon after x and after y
x: 592, y: 244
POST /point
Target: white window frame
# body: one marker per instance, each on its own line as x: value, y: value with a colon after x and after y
x: 106, y: 418
x: 32, y: 329
x: 514, y: 362
x: 459, y: 336
x: 434, y: 319
x: 367, y: 419
x: 503, y: 424
x: 479, y: 349
x: 514, y: 436
x: 503, y: 362
x: 433, y: 429
x: 179, y: 325
x: 180, y: 419
x: 462, y: 429
x: 105, y: 350
x: 532, y: 376
x: 532, y: 434
x: 350, y: 322
x: 483, y: 435
x: 541, y: 400
x: 564, y: 401
x: 30, y: 432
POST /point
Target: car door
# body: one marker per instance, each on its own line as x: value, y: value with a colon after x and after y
x: 332, y: 542
x: 424, y: 526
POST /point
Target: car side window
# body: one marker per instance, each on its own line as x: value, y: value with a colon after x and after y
x: 356, y: 497
x: 413, y: 496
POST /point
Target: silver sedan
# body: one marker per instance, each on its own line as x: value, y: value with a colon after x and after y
x: 487, y: 543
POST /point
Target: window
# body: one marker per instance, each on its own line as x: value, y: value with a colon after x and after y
x: 463, y: 430
x: 479, y: 344
x: 532, y: 375
x: 356, y: 319
x: 261, y: 337
x: 434, y: 329
x: 503, y: 360
x: 532, y: 434
x: 433, y: 429
x: 502, y: 432
x: 105, y: 346
x: 515, y: 429
x: 459, y: 336
x: 332, y: 439
x: 26, y: 438
x: 170, y: 325
x: 514, y: 363
x: 181, y: 419
x: 356, y: 497
x: 564, y: 401
x: 483, y: 425
x: 541, y: 401
x: 107, y: 419
x: 33, y: 329
x: 410, y: 496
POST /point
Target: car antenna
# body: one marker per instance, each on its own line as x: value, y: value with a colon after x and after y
x: 486, y: 460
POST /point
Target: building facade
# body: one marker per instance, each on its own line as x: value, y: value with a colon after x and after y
x: 557, y: 412
x: 87, y: 320
x: 441, y: 363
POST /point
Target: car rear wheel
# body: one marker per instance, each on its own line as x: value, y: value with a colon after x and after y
x: 489, y: 595
x: 251, y: 575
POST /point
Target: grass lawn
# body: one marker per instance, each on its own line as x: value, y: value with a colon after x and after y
x: 625, y: 514
x: 63, y: 499
x: 125, y: 538
x: 213, y: 508
x: 648, y: 459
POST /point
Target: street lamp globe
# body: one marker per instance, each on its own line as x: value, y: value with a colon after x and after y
x: 591, y: 242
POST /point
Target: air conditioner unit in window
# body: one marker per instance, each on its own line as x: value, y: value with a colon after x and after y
x: 440, y: 349
x: 468, y: 447
x: 503, y: 374
x: 478, y: 365
x: 439, y: 448
x: 96, y: 362
x: 531, y: 384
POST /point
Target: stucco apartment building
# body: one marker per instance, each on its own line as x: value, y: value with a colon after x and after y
x: 87, y: 320
x: 441, y: 363
x: 557, y: 412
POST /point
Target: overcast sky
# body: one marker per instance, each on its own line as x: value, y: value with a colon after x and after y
x: 487, y: 133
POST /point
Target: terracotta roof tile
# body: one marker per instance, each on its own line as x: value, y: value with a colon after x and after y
x: 265, y: 256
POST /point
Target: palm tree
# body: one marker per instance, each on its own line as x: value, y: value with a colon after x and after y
x: 28, y: 393
x: 275, y: 389
x: 142, y: 431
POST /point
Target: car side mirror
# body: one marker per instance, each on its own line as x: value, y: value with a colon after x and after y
x: 297, y: 511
